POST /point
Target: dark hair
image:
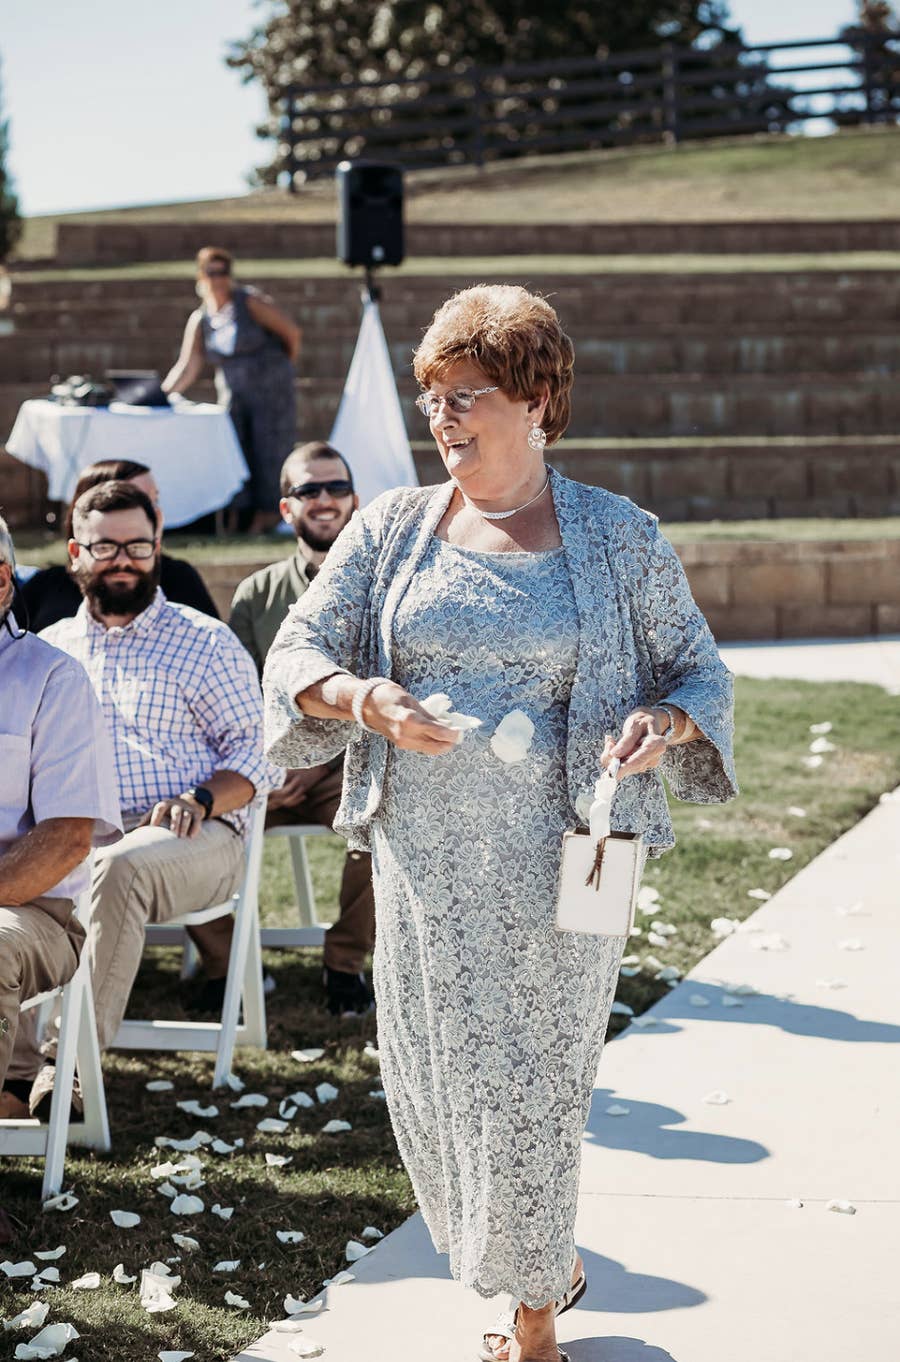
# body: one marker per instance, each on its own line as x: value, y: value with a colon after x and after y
x: 207, y: 254
x: 315, y: 449
x: 105, y: 470
x: 115, y: 496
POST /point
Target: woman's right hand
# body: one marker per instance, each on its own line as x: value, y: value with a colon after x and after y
x: 393, y: 712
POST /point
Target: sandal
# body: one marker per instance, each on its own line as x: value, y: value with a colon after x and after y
x: 505, y: 1326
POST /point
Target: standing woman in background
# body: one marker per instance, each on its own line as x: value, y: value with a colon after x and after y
x: 254, y: 347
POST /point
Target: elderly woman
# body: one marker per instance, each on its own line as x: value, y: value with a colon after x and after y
x: 506, y: 587
x: 254, y: 347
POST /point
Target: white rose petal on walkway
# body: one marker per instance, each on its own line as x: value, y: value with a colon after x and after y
x: 238, y: 1302
x: 120, y: 1276
x: 125, y: 1220
x: 851, y: 943
x: 354, y: 1250
x: 32, y: 1317
x: 769, y: 941
x: 193, y: 1108
x: 729, y: 1000
x: 326, y: 1092
x: 170, y: 1355
x: 89, y: 1282
x: 512, y: 737
x: 698, y: 1000
x: 794, y: 1203
x: 65, y: 1201
x: 339, y: 1279
x: 186, y: 1205
x: 293, y: 1306
x: 618, y: 1110
x: 49, y: 1274
x: 851, y: 909
x: 717, y: 1098
x: 50, y: 1342
x: 831, y: 983
x: 336, y: 1127
x: 306, y: 1347
x: 307, y: 1056
x: 842, y: 1207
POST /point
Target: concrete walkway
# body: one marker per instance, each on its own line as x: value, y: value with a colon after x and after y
x: 875, y: 660
x: 693, y: 1250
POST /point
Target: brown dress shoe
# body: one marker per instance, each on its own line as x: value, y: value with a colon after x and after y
x: 12, y: 1108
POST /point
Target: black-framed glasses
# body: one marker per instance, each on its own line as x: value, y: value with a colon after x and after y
x: 105, y: 550
x: 308, y: 491
x: 457, y: 399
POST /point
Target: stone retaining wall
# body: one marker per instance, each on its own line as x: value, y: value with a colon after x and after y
x: 102, y: 243
x: 764, y: 590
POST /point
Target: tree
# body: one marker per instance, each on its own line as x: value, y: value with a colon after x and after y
x: 10, y: 222
x: 335, y: 42
x: 875, y: 38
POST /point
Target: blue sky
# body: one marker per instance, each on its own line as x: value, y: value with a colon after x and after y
x: 113, y: 104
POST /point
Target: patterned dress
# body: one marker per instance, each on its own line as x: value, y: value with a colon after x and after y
x: 490, y: 1022
x: 255, y: 381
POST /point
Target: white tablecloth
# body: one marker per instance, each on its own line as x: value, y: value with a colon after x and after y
x: 193, y: 451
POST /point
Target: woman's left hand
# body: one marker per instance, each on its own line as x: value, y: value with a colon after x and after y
x: 640, y: 748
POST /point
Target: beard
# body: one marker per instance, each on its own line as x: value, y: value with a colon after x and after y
x: 319, y: 541
x: 105, y: 599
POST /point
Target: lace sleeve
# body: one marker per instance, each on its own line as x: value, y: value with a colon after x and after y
x: 688, y: 672
x: 322, y: 634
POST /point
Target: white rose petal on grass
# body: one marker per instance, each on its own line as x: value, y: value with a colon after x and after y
x: 354, y: 1250
x: 371, y: 1232
x: 156, y: 1289
x: 663, y: 928
x: 159, y: 1085
x: 618, y: 1110
x: 651, y: 962
x: 171, y: 1355
x: 125, y: 1220
x: 669, y: 974
x: 825, y: 727
x: 698, y: 1000
x: 300, y: 1099
x: 186, y: 1205
x: 851, y: 943
x: 795, y: 811
x: 65, y: 1201
x: 199, y: 1137
x: 223, y: 1212
x: 50, y: 1342
x: 326, y: 1092
x: 166, y: 1189
x: 290, y: 1236
x: 32, y: 1317
x: 49, y: 1274
x: 306, y: 1347
x: 761, y: 894
x: 227, y: 1265
x: 820, y: 745
x: 23, y: 1269
x: 842, y: 1207
x: 287, y: 1109
x: 184, y: 1241
x: 717, y: 1098
x: 629, y: 971
x: 278, y: 1160
x: 512, y: 737
x: 636, y: 931
x: 234, y: 1083
x: 51, y: 1255
x: 622, y: 1009
x: 193, y: 1108
x: 250, y: 1099
x: 379, y: 1094
x: 294, y: 1306
x: 781, y: 854
x: 121, y: 1276
x: 239, y: 1303
x: 336, y: 1127
x: 89, y: 1282
x: 221, y: 1147
x: 656, y: 940
x: 371, y: 1051
x: 307, y: 1056
x: 271, y: 1125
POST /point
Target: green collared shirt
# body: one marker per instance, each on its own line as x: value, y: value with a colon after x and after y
x: 262, y: 600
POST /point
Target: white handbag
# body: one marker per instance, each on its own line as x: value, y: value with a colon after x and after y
x: 600, y: 871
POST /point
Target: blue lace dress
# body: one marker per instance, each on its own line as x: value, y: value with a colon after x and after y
x: 490, y: 1022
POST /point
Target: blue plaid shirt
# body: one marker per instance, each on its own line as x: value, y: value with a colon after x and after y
x: 181, y: 699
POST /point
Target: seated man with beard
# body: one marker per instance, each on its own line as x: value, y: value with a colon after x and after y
x: 182, y: 703
x: 317, y: 500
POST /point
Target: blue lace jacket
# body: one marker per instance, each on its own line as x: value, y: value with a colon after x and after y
x: 642, y: 639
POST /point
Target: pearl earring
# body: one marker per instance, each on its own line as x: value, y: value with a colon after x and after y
x: 537, y: 438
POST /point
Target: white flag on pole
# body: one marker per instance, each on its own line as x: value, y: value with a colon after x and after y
x: 369, y: 428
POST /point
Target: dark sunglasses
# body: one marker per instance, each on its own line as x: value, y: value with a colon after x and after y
x: 308, y: 491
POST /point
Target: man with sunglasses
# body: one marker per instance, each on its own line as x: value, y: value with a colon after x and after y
x: 181, y: 702
x: 317, y: 501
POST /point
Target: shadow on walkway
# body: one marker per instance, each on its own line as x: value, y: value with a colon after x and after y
x: 645, y: 1132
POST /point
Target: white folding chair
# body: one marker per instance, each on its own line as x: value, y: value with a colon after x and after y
x: 243, y: 985
x: 311, y: 932
x: 77, y: 1049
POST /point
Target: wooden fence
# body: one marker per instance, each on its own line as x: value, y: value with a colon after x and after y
x: 478, y: 114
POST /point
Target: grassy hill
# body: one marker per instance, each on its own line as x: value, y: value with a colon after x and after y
x: 851, y: 175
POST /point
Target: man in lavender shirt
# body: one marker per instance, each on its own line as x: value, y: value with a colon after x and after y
x: 57, y: 799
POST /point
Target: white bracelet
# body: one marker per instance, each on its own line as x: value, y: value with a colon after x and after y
x: 669, y: 732
x: 361, y: 695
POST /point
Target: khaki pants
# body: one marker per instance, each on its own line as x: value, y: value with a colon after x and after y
x: 40, y: 944
x: 350, y: 939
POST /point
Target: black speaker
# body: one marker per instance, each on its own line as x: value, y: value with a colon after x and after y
x: 370, y: 217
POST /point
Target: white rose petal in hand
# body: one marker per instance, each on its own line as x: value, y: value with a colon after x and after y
x: 440, y: 707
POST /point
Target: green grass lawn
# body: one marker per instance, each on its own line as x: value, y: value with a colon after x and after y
x: 337, y: 1185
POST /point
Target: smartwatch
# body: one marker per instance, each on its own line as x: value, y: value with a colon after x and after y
x: 202, y: 796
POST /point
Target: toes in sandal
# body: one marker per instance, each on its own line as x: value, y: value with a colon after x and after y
x: 504, y: 1327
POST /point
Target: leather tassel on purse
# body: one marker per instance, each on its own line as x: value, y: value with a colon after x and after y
x: 600, y: 870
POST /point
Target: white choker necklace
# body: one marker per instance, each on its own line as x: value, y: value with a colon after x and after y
x: 504, y: 515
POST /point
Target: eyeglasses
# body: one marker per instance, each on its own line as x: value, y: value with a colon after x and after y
x: 308, y: 491
x: 105, y: 550
x: 214, y: 271
x: 457, y: 399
